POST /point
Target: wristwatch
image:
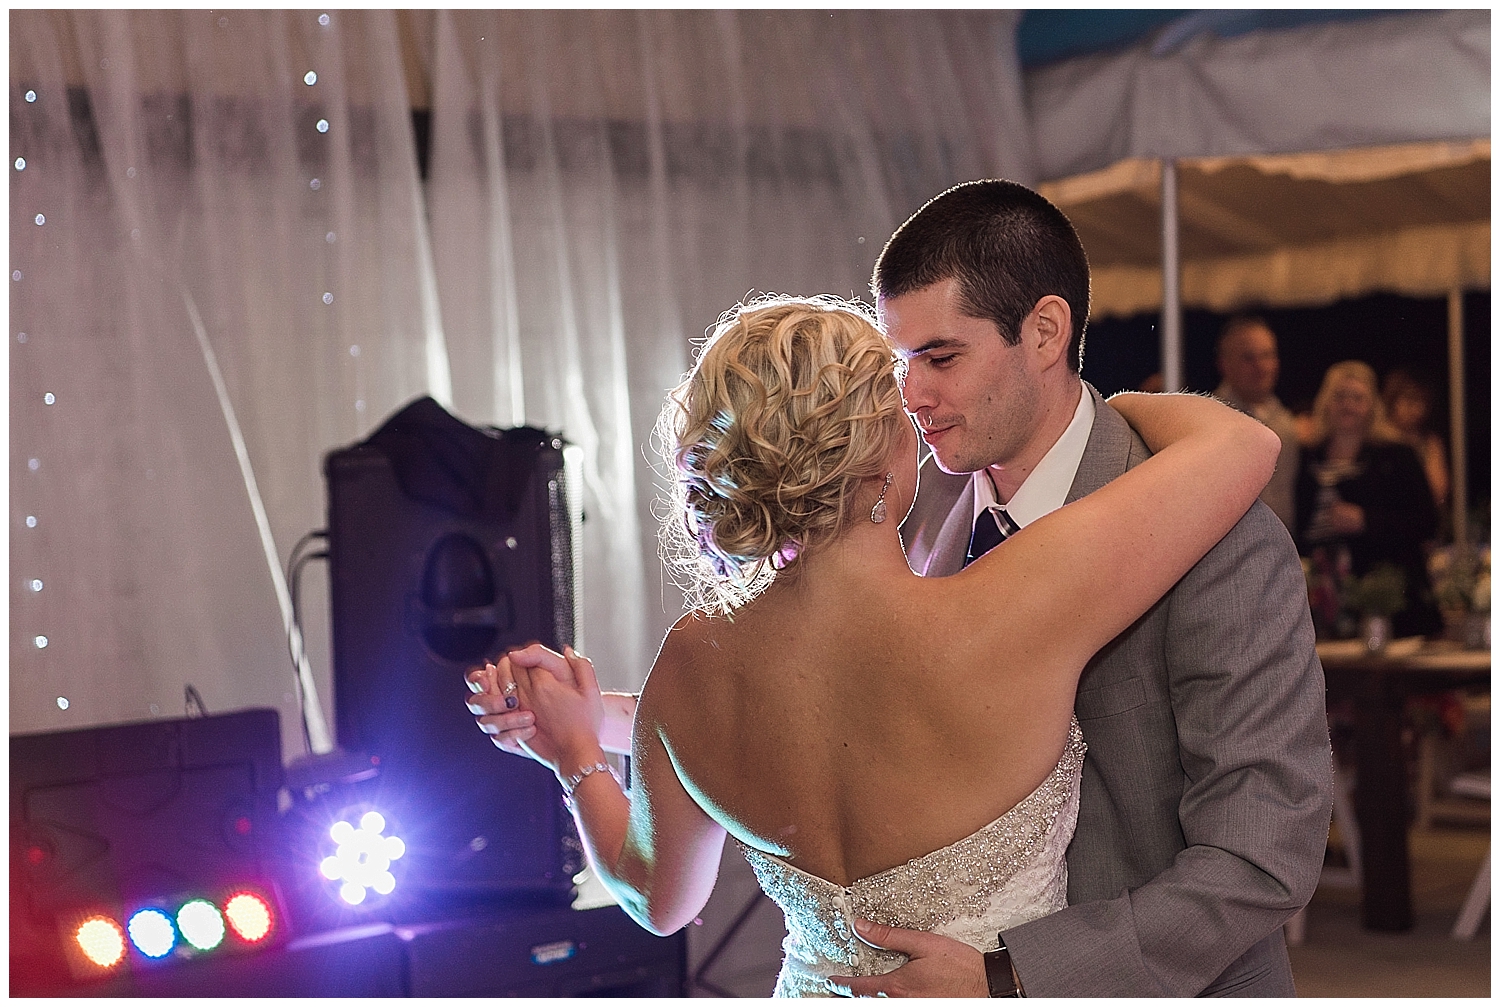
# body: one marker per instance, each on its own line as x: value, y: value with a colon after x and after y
x: 1000, y: 974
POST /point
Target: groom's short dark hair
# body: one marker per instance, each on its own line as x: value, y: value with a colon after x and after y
x: 1007, y: 246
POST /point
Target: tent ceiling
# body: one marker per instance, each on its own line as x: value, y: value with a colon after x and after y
x: 1288, y: 230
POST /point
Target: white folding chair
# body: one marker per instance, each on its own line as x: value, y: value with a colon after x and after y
x: 1477, y: 903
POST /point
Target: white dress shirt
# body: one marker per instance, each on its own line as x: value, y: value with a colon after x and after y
x: 1046, y: 487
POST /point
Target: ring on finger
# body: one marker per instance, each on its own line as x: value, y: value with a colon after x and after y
x: 510, y: 687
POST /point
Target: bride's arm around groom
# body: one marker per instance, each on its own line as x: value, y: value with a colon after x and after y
x: 1204, y: 808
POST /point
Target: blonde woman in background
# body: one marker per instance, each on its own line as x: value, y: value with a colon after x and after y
x: 884, y: 747
x: 1359, y: 489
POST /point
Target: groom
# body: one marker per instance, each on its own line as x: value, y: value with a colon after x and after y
x: 1206, y: 789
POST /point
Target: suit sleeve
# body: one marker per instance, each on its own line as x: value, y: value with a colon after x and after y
x: 1247, y: 694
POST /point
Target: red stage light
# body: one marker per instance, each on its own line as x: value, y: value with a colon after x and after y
x: 249, y: 916
x: 242, y: 825
x: 36, y: 855
x: 101, y: 940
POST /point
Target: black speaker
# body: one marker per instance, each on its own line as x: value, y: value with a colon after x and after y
x: 107, y: 822
x: 448, y: 545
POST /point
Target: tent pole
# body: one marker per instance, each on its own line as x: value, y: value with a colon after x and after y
x: 1456, y: 426
x: 1171, y: 281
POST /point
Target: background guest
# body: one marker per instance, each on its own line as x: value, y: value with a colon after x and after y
x: 1358, y: 488
x: 1408, y: 407
x: 1249, y: 365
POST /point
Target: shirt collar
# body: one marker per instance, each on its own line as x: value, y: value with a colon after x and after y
x: 1046, y: 488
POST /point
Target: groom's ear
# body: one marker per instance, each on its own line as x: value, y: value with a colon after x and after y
x: 1051, y: 322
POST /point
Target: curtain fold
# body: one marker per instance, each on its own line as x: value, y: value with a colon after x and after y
x: 602, y: 185
x: 185, y: 165
x: 605, y: 183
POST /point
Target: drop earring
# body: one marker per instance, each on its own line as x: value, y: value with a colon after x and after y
x: 877, y: 513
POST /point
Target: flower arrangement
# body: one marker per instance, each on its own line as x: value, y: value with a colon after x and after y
x: 1381, y: 592
x: 1461, y: 582
x: 1461, y: 578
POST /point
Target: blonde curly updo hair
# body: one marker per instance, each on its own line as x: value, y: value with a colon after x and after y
x: 792, y: 403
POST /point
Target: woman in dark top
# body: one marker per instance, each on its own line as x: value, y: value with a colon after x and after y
x: 1360, y: 490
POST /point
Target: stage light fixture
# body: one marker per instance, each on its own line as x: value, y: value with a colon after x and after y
x: 249, y: 916
x: 101, y: 941
x: 362, y: 860
x: 152, y: 933
x: 201, y: 925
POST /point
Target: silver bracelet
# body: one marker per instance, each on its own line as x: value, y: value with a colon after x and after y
x: 571, y: 782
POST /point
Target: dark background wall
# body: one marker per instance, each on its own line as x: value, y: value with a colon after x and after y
x: 1384, y: 330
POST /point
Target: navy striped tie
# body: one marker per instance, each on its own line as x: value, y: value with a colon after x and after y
x: 991, y: 527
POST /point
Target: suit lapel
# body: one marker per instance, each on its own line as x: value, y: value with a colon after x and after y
x: 933, y: 526
x: 952, y: 545
x: 936, y: 533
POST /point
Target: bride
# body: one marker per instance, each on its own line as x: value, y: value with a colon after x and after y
x: 883, y: 747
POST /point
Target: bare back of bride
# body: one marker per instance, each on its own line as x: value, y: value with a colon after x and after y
x: 882, y: 746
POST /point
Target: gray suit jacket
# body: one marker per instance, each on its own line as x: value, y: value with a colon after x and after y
x: 1207, y: 786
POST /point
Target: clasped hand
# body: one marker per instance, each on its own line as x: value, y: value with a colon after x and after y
x: 542, y: 704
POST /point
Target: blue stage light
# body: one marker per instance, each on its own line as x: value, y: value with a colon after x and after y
x: 152, y: 933
x: 363, y: 857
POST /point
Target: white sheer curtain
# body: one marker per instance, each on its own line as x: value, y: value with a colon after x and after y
x: 189, y: 192
x: 602, y: 186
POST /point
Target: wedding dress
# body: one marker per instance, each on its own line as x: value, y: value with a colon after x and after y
x: 1009, y: 872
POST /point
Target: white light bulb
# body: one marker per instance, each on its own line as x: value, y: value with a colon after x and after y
x: 352, y: 893
x: 36, y: 584
x: 31, y: 96
x: 341, y: 832
x: 394, y: 847
x: 31, y: 520
x: 41, y: 644
x: 385, y: 884
x: 322, y: 125
x: 49, y: 398
x: 20, y: 164
x: 332, y: 868
x: 310, y: 78
x: 323, y: 20
x: 62, y: 702
x: 372, y: 821
x: 40, y: 219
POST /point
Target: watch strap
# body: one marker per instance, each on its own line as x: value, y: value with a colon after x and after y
x: 1000, y: 974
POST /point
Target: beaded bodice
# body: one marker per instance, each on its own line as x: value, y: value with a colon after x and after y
x: 1010, y: 871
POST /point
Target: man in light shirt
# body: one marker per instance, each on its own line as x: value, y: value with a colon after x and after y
x: 1249, y: 364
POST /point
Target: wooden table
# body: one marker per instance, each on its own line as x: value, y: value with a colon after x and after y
x: 1379, y: 685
